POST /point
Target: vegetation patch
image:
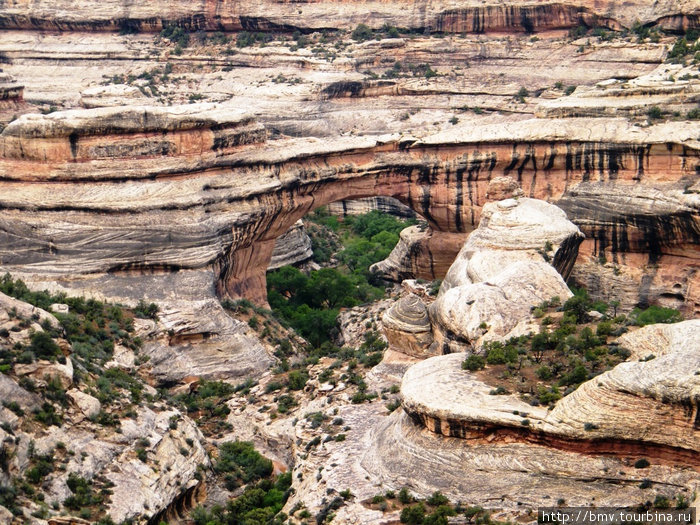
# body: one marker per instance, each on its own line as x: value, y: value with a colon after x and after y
x: 570, y: 348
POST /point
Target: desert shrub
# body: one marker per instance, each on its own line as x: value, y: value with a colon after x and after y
x: 437, y: 498
x: 579, y: 305
x: 43, y: 346
x: 473, y: 362
x: 241, y: 463
x: 404, y: 496
x: 298, y: 379
x: 655, y: 314
x: 641, y: 463
x: 362, y: 33
x: 413, y: 514
x: 176, y: 35
x: 146, y: 310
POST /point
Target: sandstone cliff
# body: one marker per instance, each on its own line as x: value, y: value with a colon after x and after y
x: 203, y: 192
x: 478, y: 17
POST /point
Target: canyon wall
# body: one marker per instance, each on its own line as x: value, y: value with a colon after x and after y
x: 153, y: 189
x: 448, y: 16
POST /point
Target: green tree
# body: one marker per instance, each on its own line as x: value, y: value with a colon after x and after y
x: 413, y: 515
x: 43, y: 346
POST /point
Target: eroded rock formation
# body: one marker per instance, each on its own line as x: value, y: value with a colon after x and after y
x: 203, y: 192
x: 503, y: 271
x: 638, y: 407
x: 477, y: 17
x: 407, y: 327
x: 291, y: 248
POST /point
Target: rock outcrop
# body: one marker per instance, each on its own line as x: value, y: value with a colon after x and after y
x: 10, y: 92
x: 205, y: 342
x: 511, y: 476
x: 661, y: 339
x: 355, y: 137
x: 368, y: 204
x: 636, y: 408
x: 502, y: 272
x: 291, y: 248
x: 20, y: 308
x: 473, y: 17
x: 215, y: 197
x: 407, y: 327
x: 147, y: 455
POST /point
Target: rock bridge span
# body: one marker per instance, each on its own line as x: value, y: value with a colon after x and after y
x: 157, y: 190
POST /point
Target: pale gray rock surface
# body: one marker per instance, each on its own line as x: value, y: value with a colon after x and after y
x: 368, y: 204
x: 661, y: 339
x: 512, y: 230
x: 12, y: 392
x: 26, y: 310
x: 516, y: 477
x: 87, y: 404
x: 39, y: 371
x: 291, y: 248
x: 637, y: 402
x: 205, y: 342
x: 502, y: 272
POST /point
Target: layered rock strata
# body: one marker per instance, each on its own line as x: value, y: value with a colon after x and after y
x: 661, y: 339
x: 476, y: 17
x: 205, y: 342
x: 509, y: 475
x: 291, y: 248
x: 203, y: 191
x: 10, y: 91
x: 407, y: 327
x: 645, y: 408
x: 368, y: 204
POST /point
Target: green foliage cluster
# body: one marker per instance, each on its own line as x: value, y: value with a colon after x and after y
x: 176, y: 34
x: 219, y: 39
x: 685, y: 46
x: 43, y: 346
x: 362, y: 32
x: 297, y: 379
x: 41, y: 466
x: 655, y: 113
x: 240, y: 463
x: 247, y: 39
x: 93, y: 329
x: 146, y: 310
x: 258, y: 505
x: 310, y: 303
x: 153, y: 77
x: 564, y: 353
x: 8, y: 499
x: 82, y: 494
x: 113, y: 381
x: 473, y: 363
x: 47, y: 415
x: 435, y: 510
x: 655, y: 314
x: 208, y: 401
x: 400, y: 69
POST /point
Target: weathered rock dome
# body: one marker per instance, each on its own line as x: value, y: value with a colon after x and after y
x: 509, y: 264
x: 407, y: 327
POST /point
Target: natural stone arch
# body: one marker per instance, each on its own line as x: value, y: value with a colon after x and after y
x: 158, y: 190
x: 241, y: 270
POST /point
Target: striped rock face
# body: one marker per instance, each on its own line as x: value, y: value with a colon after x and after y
x: 160, y: 189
